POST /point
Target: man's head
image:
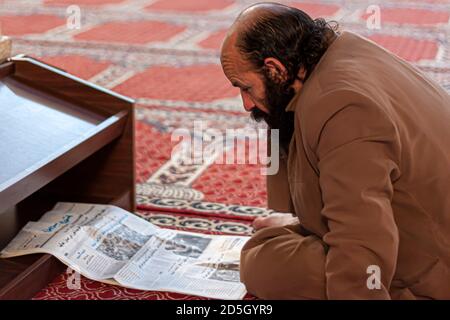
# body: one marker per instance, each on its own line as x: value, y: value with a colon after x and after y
x: 268, y: 53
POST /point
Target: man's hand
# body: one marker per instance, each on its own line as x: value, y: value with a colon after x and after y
x: 275, y: 220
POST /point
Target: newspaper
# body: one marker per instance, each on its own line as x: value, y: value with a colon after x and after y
x: 108, y: 244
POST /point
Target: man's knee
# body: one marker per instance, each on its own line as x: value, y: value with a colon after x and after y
x: 278, y: 263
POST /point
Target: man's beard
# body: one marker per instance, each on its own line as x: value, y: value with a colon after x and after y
x: 278, y: 97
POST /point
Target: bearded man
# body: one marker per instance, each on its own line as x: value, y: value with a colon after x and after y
x: 364, y: 163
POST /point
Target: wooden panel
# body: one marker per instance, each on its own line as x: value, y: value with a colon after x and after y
x: 22, y: 277
x: 100, y: 169
x: 25, y: 276
x: 51, y: 135
x: 34, y: 127
x: 18, y: 186
x: 6, y: 69
x: 108, y: 176
x: 70, y: 88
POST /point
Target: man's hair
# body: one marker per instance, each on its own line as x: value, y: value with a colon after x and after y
x: 287, y: 34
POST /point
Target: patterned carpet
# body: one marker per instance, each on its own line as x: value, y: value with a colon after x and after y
x: 164, y: 53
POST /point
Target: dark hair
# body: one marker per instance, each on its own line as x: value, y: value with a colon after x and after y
x: 287, y: 34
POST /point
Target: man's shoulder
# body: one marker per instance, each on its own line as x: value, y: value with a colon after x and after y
x: 353, y: 66
x: 347, y: 86
x: 323, y: 102
x: 341, y: 108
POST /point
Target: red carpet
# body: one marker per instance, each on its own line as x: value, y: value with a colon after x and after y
x: 165, y: 53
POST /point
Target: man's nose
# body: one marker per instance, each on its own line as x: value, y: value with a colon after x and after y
x: 247, y: 102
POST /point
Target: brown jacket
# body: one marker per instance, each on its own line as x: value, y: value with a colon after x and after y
x: 368, y: 172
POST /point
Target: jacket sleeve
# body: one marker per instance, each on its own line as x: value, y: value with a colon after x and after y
x: 358, y: 155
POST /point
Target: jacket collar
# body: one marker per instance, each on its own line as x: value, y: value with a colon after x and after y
x: 293, y: 103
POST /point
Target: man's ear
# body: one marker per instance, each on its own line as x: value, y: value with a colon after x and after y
x: 277, y: 70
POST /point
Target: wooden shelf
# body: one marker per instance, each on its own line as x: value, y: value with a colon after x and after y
x: 62, y: 139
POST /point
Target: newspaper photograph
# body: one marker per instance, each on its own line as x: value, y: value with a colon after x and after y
x: 106, y: 243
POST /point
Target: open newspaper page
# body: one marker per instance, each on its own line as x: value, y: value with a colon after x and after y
x: 187, y: 262
x: 95, y: 240
x: 106, y: 243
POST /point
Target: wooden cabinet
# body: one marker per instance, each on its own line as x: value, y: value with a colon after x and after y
x: 61, y: 139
